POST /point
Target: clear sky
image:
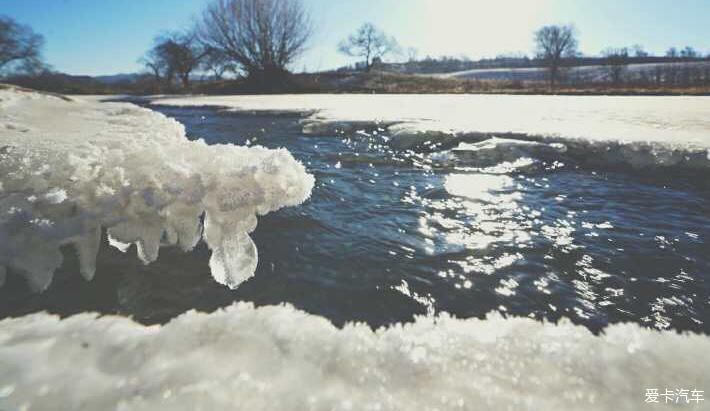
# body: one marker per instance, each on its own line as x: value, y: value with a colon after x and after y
x: 108, y: 36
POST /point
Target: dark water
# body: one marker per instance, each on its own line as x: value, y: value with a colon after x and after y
x: 390, y: 234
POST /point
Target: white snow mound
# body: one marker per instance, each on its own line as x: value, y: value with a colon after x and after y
x: 278, y: 358
x: 69, y: 168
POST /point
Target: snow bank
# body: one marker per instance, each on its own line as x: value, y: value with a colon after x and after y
x: 636, y: 131
x: 278, y: 358
x: 70, y: 168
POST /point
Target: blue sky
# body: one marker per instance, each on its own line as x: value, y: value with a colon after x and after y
x: 108, y: 36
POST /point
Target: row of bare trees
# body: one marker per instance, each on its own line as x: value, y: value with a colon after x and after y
x: 255, y: 38
x: 557, y: 47
x: 682, y: 71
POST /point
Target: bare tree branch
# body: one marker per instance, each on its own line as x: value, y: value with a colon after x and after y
x: 19, y: 46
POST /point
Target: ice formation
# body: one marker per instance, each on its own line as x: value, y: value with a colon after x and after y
x: 70, y: 168
x: 634, y: 131
x: 278, y: 358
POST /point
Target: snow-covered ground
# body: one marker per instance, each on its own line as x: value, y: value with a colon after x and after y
x: 69, y: 167
x: 278, y: 358
x: 670, y: 120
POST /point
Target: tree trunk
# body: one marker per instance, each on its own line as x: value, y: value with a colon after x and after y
x: 270, y: 79
x: 553, y: 77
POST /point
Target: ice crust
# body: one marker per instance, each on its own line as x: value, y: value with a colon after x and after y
x: 279, y: 358
x: 632, y: 131
x: 70, y: 168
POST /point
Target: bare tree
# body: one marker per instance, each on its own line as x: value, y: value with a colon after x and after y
x: 616, y: 62
x: 554, y: 44
x: 261, y: 37
x: 368, y: 43
x: 174, y: 54
x: 412, y: 54
x: 217, y: 63
x: 672, y: 52
x: 159, y: 62
x: 689, y: 53
x: 156, y: 62
x: 20, y: 46
x: 184, y: 54
x: 639, y: 51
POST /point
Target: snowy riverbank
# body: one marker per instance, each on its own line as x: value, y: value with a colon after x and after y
x: 278, y: 358
x: 69, y: 168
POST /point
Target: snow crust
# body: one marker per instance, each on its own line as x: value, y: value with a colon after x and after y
x: 69, y: 168
x: 637, y: 131
x: 279, y: 358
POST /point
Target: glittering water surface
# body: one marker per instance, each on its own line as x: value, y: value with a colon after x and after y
x: 392, y: 233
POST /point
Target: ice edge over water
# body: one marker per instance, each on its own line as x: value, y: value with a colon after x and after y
x: 70, y: 168
x: 638, y: 132
x: 279, y: 358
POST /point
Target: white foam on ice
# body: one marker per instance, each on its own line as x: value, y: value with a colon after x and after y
x: 279, y: 358
x: 635, y: 130
x: 70, y: 167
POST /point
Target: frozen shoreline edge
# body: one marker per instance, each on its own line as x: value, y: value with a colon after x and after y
x: 411, y: 133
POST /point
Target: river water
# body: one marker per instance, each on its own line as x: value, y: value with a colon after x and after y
x: 390, y: 233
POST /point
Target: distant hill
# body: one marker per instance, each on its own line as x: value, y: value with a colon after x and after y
x: 118, y: 78
x: 451, y: 64
x: 583, y: 74
x: 70, y: 84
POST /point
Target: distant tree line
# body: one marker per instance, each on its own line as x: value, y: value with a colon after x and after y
x: 556, y: 51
